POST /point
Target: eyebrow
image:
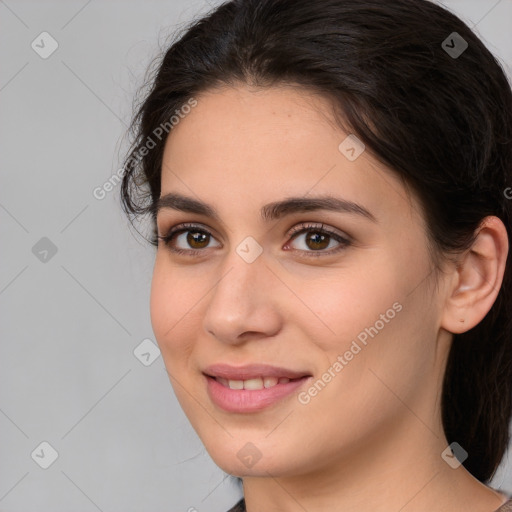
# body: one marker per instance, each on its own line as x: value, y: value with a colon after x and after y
x: 269, y: 212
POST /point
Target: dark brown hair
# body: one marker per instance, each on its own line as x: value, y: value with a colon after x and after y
x: 441, y: 121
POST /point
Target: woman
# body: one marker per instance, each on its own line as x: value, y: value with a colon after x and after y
x: 328, y: 184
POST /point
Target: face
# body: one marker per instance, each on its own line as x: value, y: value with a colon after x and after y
x: 337, y: 298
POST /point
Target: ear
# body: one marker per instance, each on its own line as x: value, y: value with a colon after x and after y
x: 477, y: 278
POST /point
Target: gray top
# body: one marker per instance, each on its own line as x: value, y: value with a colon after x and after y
x: 506, y: 507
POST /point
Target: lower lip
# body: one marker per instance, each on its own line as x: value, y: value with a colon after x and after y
x: 249, y: 400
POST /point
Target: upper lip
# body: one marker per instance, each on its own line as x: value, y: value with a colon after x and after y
x: 251, y: 371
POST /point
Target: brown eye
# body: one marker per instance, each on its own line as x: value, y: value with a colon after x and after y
x: 191, y: 239
x: 199, y: 237
x: 318, y: 239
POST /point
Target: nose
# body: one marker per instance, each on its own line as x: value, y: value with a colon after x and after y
x: 241, y: 305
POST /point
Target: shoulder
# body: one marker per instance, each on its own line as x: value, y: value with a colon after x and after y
x: 507, y: 506
x: 240, y: 507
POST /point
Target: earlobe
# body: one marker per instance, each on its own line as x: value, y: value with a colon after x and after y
x: 477, y: 278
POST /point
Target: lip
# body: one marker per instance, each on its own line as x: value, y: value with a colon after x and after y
x: 252, y: 371
x: 249, y: 400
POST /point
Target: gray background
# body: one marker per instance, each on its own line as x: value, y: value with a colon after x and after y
x: 72, y: 320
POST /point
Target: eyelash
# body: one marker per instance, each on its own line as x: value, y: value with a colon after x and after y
x: 298, y: 230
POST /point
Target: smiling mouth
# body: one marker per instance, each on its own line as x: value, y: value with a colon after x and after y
x: 251, y: 395
x: 255, y: 383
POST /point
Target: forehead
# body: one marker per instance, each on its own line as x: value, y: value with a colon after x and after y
x: 240, y: 122
x: 254, y: 146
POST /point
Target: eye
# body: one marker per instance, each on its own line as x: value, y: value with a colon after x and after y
x: 317, y: 239
x: 197, y: 238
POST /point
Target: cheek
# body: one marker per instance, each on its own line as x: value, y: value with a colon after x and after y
x: 345, y: 302
x: 171, y: 313
x: 367, y: 316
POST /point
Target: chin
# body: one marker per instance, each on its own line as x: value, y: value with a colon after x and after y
x: 244, y: 458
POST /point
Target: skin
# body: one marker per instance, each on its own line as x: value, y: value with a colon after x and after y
x: 372, y: 438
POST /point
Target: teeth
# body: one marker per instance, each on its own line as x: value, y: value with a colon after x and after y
x: 268, y: 382
x: 236, y: 384
x: 252, y: 384
x: 258, y: 383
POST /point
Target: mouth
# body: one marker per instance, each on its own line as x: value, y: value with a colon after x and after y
x: 256, y: 383
x: 252, y: 372
x: 251, y: 388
